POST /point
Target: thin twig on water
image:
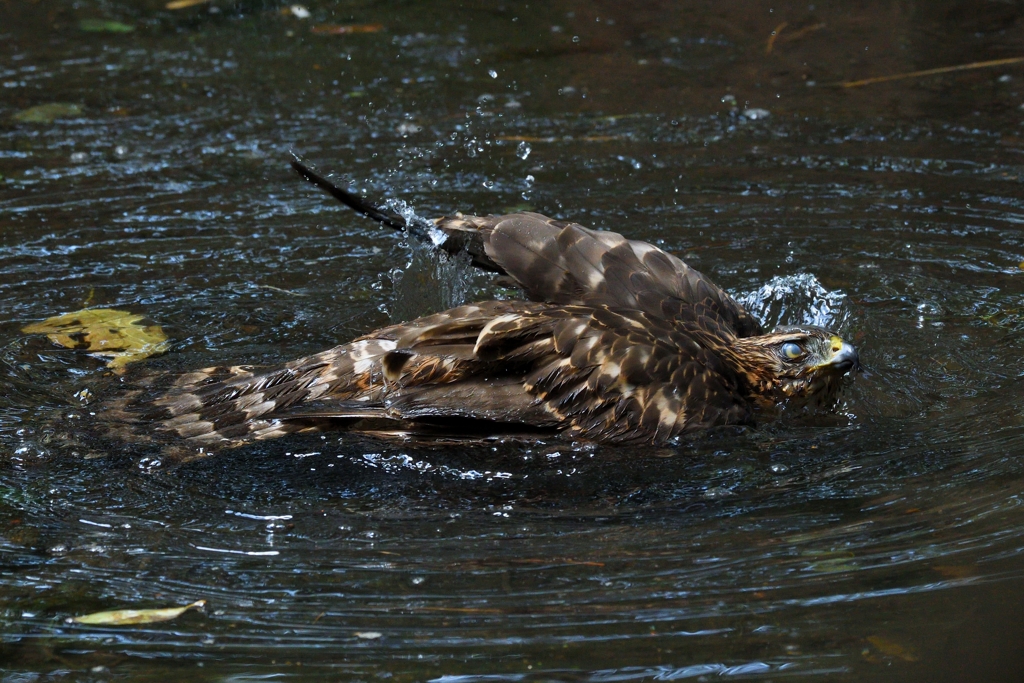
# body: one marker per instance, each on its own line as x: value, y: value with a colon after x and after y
x: 929, y: 72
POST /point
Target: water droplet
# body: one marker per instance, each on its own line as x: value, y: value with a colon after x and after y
x: 523, y: 150
x: 797, y: 299
x: 492, y: 73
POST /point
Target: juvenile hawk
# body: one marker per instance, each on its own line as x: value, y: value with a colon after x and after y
x: 615, y: 341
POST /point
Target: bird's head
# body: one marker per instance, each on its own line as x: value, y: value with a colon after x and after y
x: 801, y: 365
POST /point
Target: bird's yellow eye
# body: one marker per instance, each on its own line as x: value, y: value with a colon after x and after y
x: 792, y: 350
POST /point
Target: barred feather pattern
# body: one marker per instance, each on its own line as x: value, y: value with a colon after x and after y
x: 615, y: 375
x: 619, y: 342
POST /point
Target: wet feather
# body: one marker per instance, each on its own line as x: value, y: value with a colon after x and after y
x: 617, y: 342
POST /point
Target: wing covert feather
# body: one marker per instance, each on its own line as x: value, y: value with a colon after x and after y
x: 564, y: 263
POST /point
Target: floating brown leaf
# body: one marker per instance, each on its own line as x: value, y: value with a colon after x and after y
x: 130, y: 617
x: 119, y: 335
x: 340, y: 30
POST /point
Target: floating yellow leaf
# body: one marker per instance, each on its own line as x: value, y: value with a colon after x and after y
x: 129, y: 617
x: 182, y: 4
x: 48, y: 113
x: 119, y: 335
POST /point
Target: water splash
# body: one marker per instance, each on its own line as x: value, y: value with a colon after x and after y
x: 417, y: 225
x: 798, y: 299
x: 429, y: 281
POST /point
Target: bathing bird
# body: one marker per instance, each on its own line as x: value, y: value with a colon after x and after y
x: 612, y: 341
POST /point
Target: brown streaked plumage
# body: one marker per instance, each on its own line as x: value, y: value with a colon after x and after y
x: 618, y: 342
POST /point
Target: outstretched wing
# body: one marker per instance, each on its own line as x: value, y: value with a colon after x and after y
x: 599, y: 373
x: 565, y: 263
x: 559, y: 262
x: 228, y: 405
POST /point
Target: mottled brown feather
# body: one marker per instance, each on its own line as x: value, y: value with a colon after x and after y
x: 620, y: 342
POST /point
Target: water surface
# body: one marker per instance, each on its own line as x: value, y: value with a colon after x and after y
x: 879, y: 543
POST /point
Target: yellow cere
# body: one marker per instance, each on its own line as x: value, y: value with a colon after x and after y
x: 837, y: 343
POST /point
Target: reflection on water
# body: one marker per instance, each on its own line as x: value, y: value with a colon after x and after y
x: 882, y: 542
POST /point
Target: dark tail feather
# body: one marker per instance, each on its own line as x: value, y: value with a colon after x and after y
x: 464, y: 233
x: 359, y: 204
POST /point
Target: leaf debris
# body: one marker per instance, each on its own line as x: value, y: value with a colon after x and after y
x: 48, y: 113
x: 344, y: 29
x: 104, y: 26
x: 121, y: 336
x: 184, y: 4
x: 131, y: 617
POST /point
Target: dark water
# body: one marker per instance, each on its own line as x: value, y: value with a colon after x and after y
x: 880, y: 543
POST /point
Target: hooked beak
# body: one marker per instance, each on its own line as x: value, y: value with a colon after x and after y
x: 845, y: 357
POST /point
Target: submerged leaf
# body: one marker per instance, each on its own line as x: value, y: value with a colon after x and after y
x: 47, y: 113
x: 104, y: 26
x: 956, y: 571
x: 128, y: 617
x: 891, y: 648
x: 119, y: 335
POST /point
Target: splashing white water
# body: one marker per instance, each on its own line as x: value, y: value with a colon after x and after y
x: 798, y: 299
x: 406, y: 211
